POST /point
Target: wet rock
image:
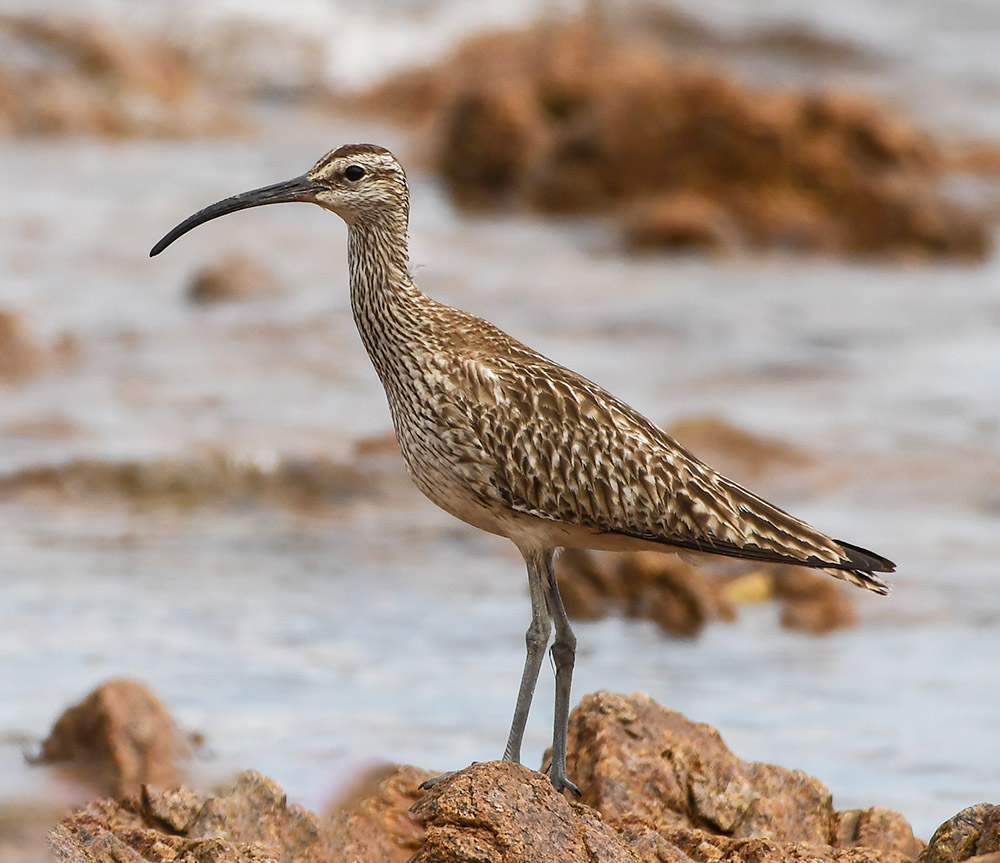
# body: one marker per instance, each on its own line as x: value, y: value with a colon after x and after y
x: 883, y: 829
x: 757, y: 585
x: 373, y: 823
x: 118, y: 737
x: 498, y: 123
x: 707, y: 848
x: 498, y: 812
x: 678, y: 597
x: 589, y: 584
x: 250, y: 823
x: 93, y: 77
x: 376, y: 445
x: 733, y: 449
x: 20, y: 353
x: 638, y: 762
x: 578, y: 117
x: 680, y: 220
x: 981, y: 158
x: 972, y: 833
x: 812, y: 601
x: 233, y: 277
x: 648, y: 846
x: 222, y: 478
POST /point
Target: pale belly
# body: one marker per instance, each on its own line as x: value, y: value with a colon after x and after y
x: 446, y: 463
x: 447, y: 485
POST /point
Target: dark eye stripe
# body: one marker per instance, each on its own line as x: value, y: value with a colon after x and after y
x: 354, y: 172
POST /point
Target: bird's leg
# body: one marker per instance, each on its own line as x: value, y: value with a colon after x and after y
x: 539, y: 565
x: 535, y: 640
x: 563, y: 655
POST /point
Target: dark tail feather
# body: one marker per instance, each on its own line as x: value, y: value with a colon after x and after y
x: 862, y: 568
x: 865, y: 560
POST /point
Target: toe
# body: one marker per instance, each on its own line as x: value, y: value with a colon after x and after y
x: 430, y: 783
x: 561, y: 783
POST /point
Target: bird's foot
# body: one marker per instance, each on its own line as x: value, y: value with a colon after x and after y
x: 561, y: 783
x: 427, y: 784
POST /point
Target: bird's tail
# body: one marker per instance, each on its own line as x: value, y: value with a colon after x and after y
x: 867, y: 564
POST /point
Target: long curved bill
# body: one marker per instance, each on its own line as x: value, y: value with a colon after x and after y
x: 298, y: 189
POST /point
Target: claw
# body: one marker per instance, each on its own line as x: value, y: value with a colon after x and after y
x: 561, y: 783
x: 427, y: 784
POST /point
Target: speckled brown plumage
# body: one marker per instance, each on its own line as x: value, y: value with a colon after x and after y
x: 509, y: 441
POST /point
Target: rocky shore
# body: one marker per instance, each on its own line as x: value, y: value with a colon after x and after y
x: 584, y: 117
x: 95, y: 78
x: 569, y: 115
x: 657, y: 788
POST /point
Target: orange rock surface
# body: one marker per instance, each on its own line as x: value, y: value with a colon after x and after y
x: 572, y: 117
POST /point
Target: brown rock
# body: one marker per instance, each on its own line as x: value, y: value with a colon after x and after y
x: 989, y: 833
x: 707, y: 848
x: 648, y: 846
x: 638, y: 762
x: 376, y: 445
x: 787, y: 219
x: 976, y: 157
x: 43, y: 428
x: 375, y: 823
x: 875, y: 136
x: 753, y: 585
x: 813, y: 602
x: 233, y: 277
x: 677, y: 596
x: 576, y: 117
x: 299, y: 483
x: 971, y: 833
x: 489, y: 812
x: 589, y: 584
x: 499, y: 124
x: 20, y: 354
x: 93, y: 77
x: 734, y: 450
x: 251, y: 823
x: 680, y: 220
x: 411, y: 97
x: 118, y: 737
x: 883, y: 829
x: 666, y: 790
x: 788, y: 806
x: 497, y: 812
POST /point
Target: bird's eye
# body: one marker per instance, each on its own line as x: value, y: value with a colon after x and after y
x: 354, y: 172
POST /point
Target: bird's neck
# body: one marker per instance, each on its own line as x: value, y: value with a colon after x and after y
x: 385, y: 302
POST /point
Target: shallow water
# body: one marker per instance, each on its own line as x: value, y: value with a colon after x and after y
x: 305, y: 643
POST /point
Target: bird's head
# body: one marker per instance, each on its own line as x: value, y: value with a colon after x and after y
x: 358, y: 182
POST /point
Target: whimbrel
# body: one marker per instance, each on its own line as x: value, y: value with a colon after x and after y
x: 509, y: 441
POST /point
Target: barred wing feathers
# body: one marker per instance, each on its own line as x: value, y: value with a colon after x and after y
x: 561, y: 448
